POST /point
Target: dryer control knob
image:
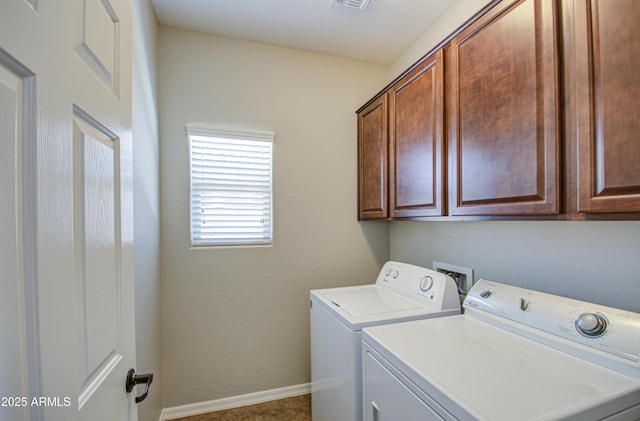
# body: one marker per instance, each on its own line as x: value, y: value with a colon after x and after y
x: 426, y: 283
x: 591, y: 325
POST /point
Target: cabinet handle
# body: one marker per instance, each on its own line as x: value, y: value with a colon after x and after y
x: 376, y: 411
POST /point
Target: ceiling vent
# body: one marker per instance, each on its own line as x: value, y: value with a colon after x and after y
x: 358, y: 5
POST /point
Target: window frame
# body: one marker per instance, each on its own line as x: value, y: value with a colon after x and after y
x: 203, y: 131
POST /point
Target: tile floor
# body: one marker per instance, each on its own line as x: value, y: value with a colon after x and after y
x: 297, y: 408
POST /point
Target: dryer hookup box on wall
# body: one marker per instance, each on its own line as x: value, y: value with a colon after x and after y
x: 462, y: 275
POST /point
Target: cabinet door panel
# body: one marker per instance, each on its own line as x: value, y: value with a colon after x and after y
x: 416, y: 115
x: 372, y: 161
x: 607, y: 102
x: 503, y: 116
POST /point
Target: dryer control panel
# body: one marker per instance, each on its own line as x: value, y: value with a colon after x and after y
x: 607, y: 329
x: 434, y: 288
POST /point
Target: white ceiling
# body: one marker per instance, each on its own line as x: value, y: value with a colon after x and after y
x: 379, y: 34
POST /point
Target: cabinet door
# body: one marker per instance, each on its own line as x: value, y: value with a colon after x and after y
x: 416, y: 118
x: 503, y: 113
x: 607, y: 63
x: 372, y: 160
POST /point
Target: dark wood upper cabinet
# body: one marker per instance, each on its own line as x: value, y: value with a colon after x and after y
x: 416, y: 120
x: 605, y: 62
x: 482, y: 126
x: 503, y: 113
x: 373, y: 156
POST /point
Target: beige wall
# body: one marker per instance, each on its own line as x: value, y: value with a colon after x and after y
x: 594, y: 261
x: 146, y: 205
x: 235, y: 321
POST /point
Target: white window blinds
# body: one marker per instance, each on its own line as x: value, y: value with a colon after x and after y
x: 231, y: 188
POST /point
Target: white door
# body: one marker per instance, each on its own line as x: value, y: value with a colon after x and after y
x: 66, y: 234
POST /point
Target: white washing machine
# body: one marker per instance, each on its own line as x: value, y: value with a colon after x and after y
x: 402, y: 292
x: 515, y: 354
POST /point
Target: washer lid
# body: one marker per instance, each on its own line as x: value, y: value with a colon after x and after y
x: 370, y: 301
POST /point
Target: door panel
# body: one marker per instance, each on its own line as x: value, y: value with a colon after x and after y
x: 13, y: 323
x: 65, y: 108
x: 97, y: 40
x: 97, y: 251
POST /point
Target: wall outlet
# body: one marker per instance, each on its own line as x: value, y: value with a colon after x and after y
x: 462, y: 275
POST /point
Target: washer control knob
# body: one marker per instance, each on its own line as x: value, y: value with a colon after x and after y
x: 426, y: 283
x: 395, y: 274
x: 486, y: 293
x: 591, y: 325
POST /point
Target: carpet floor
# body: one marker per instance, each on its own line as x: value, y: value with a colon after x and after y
x: 297, y: 408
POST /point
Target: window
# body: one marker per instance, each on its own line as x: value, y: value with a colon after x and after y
x: 231, y: 187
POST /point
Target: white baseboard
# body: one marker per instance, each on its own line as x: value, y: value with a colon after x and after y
x: 234, y: 402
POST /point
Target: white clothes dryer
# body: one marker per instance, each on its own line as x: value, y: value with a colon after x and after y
x: 402, y: 292
x: 515, y: 354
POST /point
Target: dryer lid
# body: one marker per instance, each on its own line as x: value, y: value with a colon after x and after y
x: 370, y: 301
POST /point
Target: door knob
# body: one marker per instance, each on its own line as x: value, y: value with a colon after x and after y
x: 133, y: 379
